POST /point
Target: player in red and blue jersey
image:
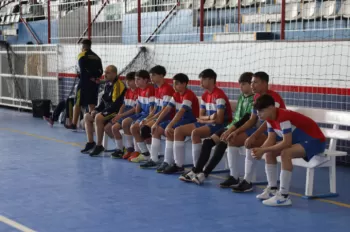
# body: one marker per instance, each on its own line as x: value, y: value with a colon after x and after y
x: 145, y: 104
x: 253, y: 134
x: 301, y: 138
x: 163, y: 94
x: 187, y: 110
x: 127, y: 109
x: 215, y: 113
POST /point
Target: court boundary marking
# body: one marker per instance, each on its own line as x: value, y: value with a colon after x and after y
x: 15, y: 224
x: 341, y: 204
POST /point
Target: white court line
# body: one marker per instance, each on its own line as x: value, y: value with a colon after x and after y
x: 15, y: 225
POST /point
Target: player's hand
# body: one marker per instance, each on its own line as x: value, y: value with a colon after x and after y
x: 250, y: 141
x: 154, y: 128
x: 93, y: 113
x: 200, y: 120
x: 224, y: 135
x: 116, y: 118
x: 232, y: 136
x: 257, y: 153
x: 143, y: 122
x: 169, y: 131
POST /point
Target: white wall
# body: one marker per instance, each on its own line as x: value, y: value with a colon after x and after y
x: 288, y: 63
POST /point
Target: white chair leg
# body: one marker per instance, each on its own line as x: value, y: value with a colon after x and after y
x: 332, y: 176
x: 309, y: 181
x: 105, y: 141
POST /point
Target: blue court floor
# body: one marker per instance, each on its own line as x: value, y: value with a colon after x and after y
x: 48, y: 185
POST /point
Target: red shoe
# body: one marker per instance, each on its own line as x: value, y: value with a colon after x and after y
x: 127, y: 155
x: 48, y: 120
x: 133, y: 155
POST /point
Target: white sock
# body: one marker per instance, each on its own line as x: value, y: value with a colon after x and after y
x: 155, y: 147
x: 136, y: 146
x: 128, y: 141
x: 271, y: 174
x: 169, y: 152
x: 196, y: 152
x: 142, y: 146
x: 179, y: 153
x: 148, y: 147
x: 119, y: 144
x: 250, y: 164
x: 232, y: 155
x: 285, y: 177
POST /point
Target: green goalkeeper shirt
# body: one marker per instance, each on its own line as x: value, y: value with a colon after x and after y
x: 244, y: 106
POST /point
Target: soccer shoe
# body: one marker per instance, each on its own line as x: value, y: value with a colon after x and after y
x: 267, y: 193
x: 162, y: 167
x: 199, y: 179
x: 97, y: 151
x: 174, y: 169
x: 133, y: 155
x: 278, y: 200
x: 230, y: 182
x: 118, y: 154
x: 127, y: 155
x: 48, y: 120
x: 88, y: 148
x: 187, y: 176
x: 150, y: 164
x: 140, y: 158
x: 243, y: 187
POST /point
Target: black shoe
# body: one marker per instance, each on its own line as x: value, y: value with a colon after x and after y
x: 243, y: 187
x: 97, y: 150
x: 150, y: 164
x: 71, y: 127
x: 162, y: 167
x: 118, y: 154
x: 174, y: 169
x: 88, y: 147
x: 230, y: 182
x: 187, y: 176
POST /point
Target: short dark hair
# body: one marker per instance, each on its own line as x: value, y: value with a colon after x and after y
x: 29, y: 42
x: 208, y: 73
x: 262, y: 76
x: 246, y: 77
x: 143, y: 74
x: 87, y: 43
x: 263, y: 102
x: 182, y: 78
x: 130, y: 76
x: 158, y: 69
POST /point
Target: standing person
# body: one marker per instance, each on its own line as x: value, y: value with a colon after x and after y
x: 90, y: 66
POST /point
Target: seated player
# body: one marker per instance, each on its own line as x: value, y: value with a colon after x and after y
x: 127, y: 109
x: 215, y: 113
x: 142, y: 131
x: 187, y: 109
x: 251, y: 135
x: 242, y: 114
x: 301, y: 138
x: 145, y: 105
x: 110, y: 104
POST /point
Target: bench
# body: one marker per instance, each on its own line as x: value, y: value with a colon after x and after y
x: 334, y: 118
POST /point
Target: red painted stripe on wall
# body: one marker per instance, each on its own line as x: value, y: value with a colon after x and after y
x: 279, y: 88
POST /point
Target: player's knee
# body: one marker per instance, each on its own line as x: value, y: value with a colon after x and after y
x: 87, y: 117
x: 99, y: 118
x: 286, y: 155
x: 126, y: 123
x: 208, y: 144
x: 178, y: 134
x: 116, y: 127
x: 145, y: 132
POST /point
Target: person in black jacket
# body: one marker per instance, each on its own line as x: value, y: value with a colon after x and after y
x: 90, y: 69
x: 111, y: 101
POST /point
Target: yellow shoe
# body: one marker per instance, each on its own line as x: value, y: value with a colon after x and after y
x: 140, y: 158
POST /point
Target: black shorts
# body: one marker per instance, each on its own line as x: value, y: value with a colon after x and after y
x: 220, y: 132
x: 86, y: 96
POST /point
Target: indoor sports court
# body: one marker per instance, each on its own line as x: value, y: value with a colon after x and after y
x: 48, y: 48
